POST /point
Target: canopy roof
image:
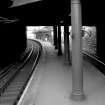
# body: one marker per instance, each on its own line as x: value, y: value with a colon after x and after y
x: 22, y: 2
x: 52, y: 11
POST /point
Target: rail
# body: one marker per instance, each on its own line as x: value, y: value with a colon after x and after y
x: 95, y: 61
x: 30, y: 78
x: 6, y: 78
x: 10, y: 66
x: 17, y: 85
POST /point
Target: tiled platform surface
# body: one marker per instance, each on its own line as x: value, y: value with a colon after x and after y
x: 51, y: 83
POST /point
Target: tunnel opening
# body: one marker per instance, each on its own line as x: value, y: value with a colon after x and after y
x: 43, y: 33
x: 89, y: 39
x: 89, y: 36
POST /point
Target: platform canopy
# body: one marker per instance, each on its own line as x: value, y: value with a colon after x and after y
x: 51, y: 11
x: 22, y: 2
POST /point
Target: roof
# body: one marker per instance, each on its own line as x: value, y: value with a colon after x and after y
x: 53, y: 11
x: 22, y: 2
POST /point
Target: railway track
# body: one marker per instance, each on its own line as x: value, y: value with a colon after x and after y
x: 95, y: 61
x: 13, y: 91
x: 7, y: 73
x: 19, y: 59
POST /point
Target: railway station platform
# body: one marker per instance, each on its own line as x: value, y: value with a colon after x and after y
x: 51, y: 82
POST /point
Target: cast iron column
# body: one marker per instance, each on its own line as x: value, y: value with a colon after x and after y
x: 59, y: 40
x: 77, y: 67
x: 55, y: 36
x: 66, y: 44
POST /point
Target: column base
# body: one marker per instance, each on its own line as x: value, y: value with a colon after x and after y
x: 60, y: 53
x: 67, y: 62
x: 56, y: 47
x: 78, y: 96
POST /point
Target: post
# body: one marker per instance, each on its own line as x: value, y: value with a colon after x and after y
x: 55, y: 36
x: 59, y: 41
x: 66, y: 44
x: 77, y: 69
